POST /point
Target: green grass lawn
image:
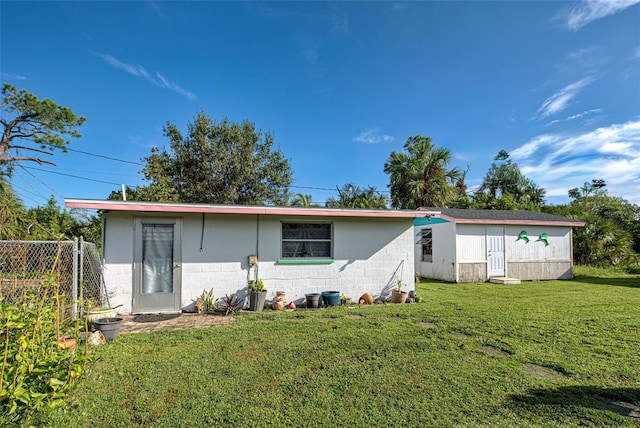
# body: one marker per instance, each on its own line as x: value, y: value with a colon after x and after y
x: 553, y: 353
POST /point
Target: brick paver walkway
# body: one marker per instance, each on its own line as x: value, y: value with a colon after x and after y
x: 154, y: 322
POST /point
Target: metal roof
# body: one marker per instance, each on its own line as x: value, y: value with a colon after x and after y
x: 457, y: 215
x: 165, y: 207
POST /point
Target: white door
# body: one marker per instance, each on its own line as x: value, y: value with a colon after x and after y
x: 495, y: 251
x: 156, y: 268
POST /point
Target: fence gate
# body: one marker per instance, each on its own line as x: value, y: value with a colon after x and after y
x: 75, y: 265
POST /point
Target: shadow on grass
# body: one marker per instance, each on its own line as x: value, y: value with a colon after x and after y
x: 623, y: 401
x: 618, y: 282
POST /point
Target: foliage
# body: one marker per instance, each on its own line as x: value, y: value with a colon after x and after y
x: 12, y: 212
x: 301, y: 200
x: 419, y: 176
x: 33, y: 125
x: 331, y: 368
x: 208, y: 300
x: 36, y: 372
x: 216, y: 162
x: 256, y: 285
x: 229, y: 304
x: 352, y: 196
x: 506, y: 188
x: 612, y: 225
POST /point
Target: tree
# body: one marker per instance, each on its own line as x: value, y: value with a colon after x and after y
x: 352, y: 196
x: 216, y: 162
x: 612, y: 225
x: 33, y: 125
x: 302, y: 200
x: 419, y: 176
x: 12, y: 212
x: 505, y: 187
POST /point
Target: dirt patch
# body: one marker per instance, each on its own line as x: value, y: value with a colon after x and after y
x: 492, y: 350
x: 620, y: 407
x: 426, y: 324
x: 461, y: 335
x: 397, y: 319
x: 542, y: 372
x: 326, y: 319
x: 355, y: 317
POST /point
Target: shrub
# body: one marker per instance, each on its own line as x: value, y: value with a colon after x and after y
x: 36, y: 371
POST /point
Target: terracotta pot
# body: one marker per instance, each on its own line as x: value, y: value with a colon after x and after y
x: 67, y: 343
x: 398, y: 296
x: 366, y: 298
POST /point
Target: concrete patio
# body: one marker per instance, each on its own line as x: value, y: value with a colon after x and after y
x: 153, y: 322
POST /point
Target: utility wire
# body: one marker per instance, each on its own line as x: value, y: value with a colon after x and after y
x: 77, y: 176
x: 40, y: 181
x: 105, y: 157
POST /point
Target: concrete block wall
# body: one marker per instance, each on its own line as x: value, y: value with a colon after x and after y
x: 366, y: 253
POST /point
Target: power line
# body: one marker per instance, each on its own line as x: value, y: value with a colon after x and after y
x: 41, y: 182
x: 105, y: 157
x: 78, y: 177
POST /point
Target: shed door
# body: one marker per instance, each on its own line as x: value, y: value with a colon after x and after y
x: 156, y: 285
x: 495, y: 251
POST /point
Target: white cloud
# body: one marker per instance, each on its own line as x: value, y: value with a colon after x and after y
x: 559, y: 162
x: 589, y: 10
x: 139, y: 71
x: 12, y: 76
x: 577, y: 116
x: 561, y: 99
x: 373, y: 136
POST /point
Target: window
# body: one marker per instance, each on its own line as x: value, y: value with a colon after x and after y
x: 307, y: 240
x: 427, y: 244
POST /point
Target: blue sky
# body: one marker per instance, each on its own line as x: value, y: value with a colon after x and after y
x: 341, y: 85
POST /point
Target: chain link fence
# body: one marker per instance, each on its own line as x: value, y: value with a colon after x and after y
x: 75, y: 266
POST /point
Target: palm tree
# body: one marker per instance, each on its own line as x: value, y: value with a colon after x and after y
x: 352, y: 196
x: 301, y: 200
x: 419, y: 175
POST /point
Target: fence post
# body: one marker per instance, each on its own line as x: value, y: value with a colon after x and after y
x: 81, y: 270
x: 74, y: 290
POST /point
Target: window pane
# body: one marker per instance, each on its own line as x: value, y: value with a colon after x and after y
x: 306, y: 249
x: 306, y: 231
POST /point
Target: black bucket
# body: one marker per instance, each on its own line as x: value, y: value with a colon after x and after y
x: 313, y: 300
x: 110, y: 327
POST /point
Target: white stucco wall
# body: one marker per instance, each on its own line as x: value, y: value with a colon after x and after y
x: 442, y: 265
x: 366, y: 254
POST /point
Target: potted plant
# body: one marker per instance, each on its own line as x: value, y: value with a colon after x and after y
x: 398, y: 295
x: 257, y: 295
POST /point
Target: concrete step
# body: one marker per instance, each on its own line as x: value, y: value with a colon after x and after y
x: 503, y: 280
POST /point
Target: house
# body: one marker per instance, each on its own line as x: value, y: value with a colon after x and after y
x: 460, y: 245
x: 159, y: 257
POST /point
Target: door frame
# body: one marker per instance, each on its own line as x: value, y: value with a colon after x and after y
x: 176, y: 303
x: 498, y: 232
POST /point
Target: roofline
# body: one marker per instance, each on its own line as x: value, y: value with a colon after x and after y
x: 522, y: 222
x: 165, y: 207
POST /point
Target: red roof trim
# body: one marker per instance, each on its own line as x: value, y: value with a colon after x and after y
x: 236, y: 209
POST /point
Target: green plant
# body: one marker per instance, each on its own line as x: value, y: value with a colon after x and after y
x: 229, y: 304
x: 256, y: 285
x: 37, y: 371
x: 208, y: 300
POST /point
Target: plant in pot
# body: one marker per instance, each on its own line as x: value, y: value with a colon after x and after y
x: 257, y: 295
x: 398, y: 295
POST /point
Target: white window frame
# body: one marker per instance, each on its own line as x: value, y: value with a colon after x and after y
x: 282, y: 240
x: 426, y: 244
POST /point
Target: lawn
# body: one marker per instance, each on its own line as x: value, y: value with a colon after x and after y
x: 556, y: 353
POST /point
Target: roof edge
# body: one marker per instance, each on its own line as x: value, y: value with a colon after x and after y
x: 170, y: 207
